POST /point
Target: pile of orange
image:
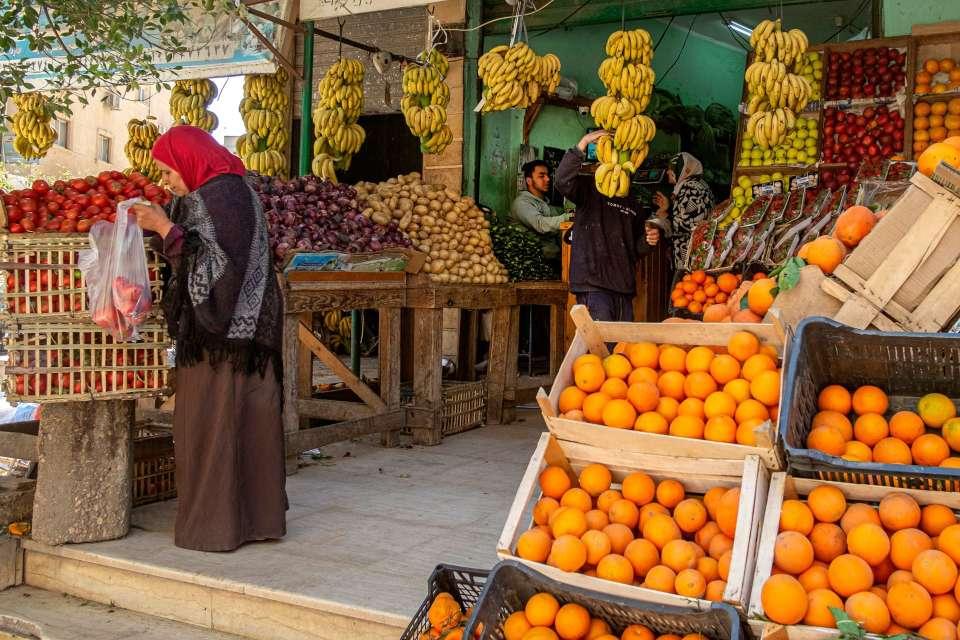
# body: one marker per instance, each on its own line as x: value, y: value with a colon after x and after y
x: 938, y: 76
x: 544, y: 618
x: 935, y: 122
x: 644, y: 532
x: 892, y: 568
x: 447, y: 619
x: 698, y: 290
x: 706, y: 393
x: 872, y: 435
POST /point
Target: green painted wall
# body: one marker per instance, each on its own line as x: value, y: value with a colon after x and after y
x: 900, y: 15
x: 706, y: 72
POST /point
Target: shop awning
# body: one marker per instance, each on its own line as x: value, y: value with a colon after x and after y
x: 326, y: 9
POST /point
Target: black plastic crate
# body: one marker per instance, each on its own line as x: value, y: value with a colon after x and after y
x: 905, y: 365
x: 511, y: 584
x: 465, y: 585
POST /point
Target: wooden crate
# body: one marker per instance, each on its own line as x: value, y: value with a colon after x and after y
x: 592, y: 337
x: 77, y: 360
x: 905, y: 275
x: 783, y: 486
x: 43, y: 279
x: 697, y: 477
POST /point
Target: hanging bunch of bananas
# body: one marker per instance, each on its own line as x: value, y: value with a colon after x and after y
x: 264, y: 109
x: 141, y: 135
x: 33, y: 135
x: 338, y: 326
x: 775, y: 94
x: 514, y: 76
x: 338, y: 136
x: 426, y: 95
x: 629, y: 80
x: 189, y: 101
x: 770, y: 43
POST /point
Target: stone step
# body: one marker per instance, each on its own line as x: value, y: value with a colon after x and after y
x: 27, y: 613
x: 216, y: 604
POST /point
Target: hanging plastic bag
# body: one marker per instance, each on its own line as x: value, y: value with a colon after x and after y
x: 115, y: 268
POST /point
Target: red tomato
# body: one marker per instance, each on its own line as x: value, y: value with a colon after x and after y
x: 104, y: 177
x: 79, y: 185
x: 27, y: 224
x: 53, y: 206
x: 28, y: 204
x: 92, y: 211
x: 16, y: 228
x: 99, y: 199
x: 83, y: 226
x: 14, y: 214
x: 40, y: 186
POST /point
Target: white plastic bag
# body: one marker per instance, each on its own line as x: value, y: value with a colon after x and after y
x: 115, y: 268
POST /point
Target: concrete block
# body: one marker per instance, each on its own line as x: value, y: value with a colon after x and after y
x: 84, y: 476
x: 16, y: 499
x: 11, y: 562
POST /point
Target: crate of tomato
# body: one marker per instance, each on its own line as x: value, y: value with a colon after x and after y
x: 77, y: 360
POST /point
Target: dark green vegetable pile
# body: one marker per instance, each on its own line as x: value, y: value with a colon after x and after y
x: 520, y: 251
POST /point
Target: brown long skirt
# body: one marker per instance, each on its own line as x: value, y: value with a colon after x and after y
x: 228, y: 443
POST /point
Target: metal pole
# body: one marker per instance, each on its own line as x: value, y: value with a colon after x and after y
x: 306, y: 99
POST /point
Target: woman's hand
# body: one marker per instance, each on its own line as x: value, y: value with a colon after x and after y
x: 653, y: 236
x: 590, y: 137
x: 663, y: 202
x: 151, y: 217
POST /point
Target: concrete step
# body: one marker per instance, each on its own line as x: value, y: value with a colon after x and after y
x: 27, y: 613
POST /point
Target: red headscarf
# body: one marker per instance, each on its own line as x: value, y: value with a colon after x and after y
x: 195, y: 155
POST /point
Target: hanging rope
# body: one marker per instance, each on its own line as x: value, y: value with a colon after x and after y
x: 623, y: 15
x: 340, y: 23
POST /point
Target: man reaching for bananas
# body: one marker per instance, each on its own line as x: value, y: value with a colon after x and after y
x: 608, y: 237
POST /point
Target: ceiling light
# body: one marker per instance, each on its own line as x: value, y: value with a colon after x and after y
x: 740, y: 28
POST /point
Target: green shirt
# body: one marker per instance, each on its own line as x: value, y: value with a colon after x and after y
x: 536, y: 213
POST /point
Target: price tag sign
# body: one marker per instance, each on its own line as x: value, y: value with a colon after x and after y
x: 767, y: 189
x: 808, y: 181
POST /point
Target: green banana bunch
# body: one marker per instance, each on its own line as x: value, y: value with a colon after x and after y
x: 515, y: 76
x: 33, y: 134
x: 264, y: 110
x: 335, y: 118
x: 629, y: 78
x: 189, y: 101
x: 141, y: 135
x: 426, y: 95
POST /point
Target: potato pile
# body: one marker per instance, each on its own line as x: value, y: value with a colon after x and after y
x: 449, y: 228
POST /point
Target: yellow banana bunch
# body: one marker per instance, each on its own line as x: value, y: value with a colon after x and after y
x: 264, y: 110
x: 774, y: 94
x: 33, y: 134
x: 629, y: 78
x: 189, y: 101
x: 268, y: 162
x: 141, y: 135
x: 514, y: 76
x: 335, y: 118
x: 426, y: 95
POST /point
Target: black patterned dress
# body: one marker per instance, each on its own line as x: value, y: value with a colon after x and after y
x: 691, y: 203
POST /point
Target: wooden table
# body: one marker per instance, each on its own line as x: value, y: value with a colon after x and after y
x: 377, y: 412
x: 428, y: 300
x: 553, y: 294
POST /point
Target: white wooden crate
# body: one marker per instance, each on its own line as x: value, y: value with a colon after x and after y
x: 697, y: 476
x: 591, y: 337
x: 783, y: 486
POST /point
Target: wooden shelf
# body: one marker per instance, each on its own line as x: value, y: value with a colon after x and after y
x: 936, y: 97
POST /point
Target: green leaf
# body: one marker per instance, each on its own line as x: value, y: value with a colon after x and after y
x: 849, y: 628
x: 744, y: 303
x: 789, y: 276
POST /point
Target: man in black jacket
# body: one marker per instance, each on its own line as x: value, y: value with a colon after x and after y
x: 608, y: 237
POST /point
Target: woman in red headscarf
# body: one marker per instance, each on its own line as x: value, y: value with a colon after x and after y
x: 224, y: 309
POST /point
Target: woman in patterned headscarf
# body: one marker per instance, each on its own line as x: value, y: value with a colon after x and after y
x: 691, y: 201
x: 224, y: 309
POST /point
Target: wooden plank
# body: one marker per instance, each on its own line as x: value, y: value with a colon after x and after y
x: 591, y: 333
x: 338, y: 410
x: 544, y: 401
x: 624, y: 440
x: 511, y: 373
x: 467, y: 349
x: 341, y: 277
x: 462, y: 296
x: 880, y: 321
x: 22, y: 446
x: 753, y: 501
x: 768, y: 535
x: 388, y: 355
x: 940, y: 305
x: 577, y: 348
x: 533, y: 382
x: 319, y: 300
x: 525, y: 493
x: 339, y: 369
x: 678, y: 465
x: 305, y: 369
x: 498, y: 363
x: 557, y: 342
x: 424, y: 419
x: 308, y: 439
x: 291, y: 376
x: 687, y: 334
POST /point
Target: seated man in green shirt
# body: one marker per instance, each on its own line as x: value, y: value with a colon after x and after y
x: 531, y: 208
